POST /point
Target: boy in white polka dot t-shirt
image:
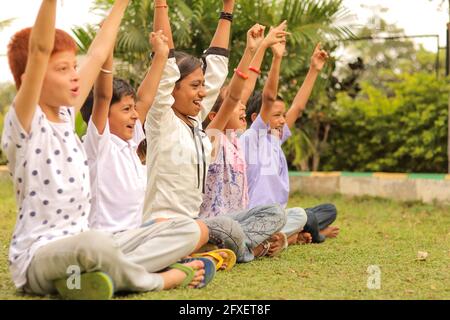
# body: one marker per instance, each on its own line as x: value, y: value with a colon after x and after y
x: 48, y: 164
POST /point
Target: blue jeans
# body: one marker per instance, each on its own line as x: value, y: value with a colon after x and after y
x: 319, y: 218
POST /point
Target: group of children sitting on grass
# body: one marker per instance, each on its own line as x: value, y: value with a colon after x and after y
x: 168, y: 185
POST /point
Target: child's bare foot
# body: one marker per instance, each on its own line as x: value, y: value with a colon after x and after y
x: 224, y: 265
x: 277, y: 244
x: 174, y: 277
x: 330, y: 232
x: 304, y: 238
x: 293, y: 239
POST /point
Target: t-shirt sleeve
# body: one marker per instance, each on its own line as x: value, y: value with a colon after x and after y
x: 163, y: 100
x: 215, y: 62
x: 15, y: 139
x: 94, y: 142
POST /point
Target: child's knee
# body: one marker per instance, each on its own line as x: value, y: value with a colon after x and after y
x: 280, y: 214
x: 93, y: 244
x: 226, y: 232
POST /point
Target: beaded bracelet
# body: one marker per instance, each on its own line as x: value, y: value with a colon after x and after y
x: 226, y: 16
x: 162, y: 6
x: 241, y: 74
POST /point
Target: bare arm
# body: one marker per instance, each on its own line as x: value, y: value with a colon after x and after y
x: 103, y: 91
x: 235, y: 88
x: 149, y: 87
x: 253, y: 76
x: 318, y: 61
x: 40, y: 49
x: 270, y: 91
x: 276, y: 35
x: 221, y: 38
x: 161, y: 21
x: 99, y: 50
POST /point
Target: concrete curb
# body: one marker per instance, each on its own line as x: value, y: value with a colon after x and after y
x: 428, y: 188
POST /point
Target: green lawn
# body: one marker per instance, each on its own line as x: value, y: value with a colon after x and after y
x: 373, y: 232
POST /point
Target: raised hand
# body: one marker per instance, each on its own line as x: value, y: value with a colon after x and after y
x: 255, y: 36
x: 279, y: 49
x: 276, y: 35
x: 159, y: 43
x: 319, y: 58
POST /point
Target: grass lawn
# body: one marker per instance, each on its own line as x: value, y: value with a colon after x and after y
x: 373, y: 232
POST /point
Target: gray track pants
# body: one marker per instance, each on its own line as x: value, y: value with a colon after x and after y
x: 131, y: 258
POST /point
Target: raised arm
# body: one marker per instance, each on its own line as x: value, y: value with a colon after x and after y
x: 161, y: 21
x: 270, y: 91
x: 275, y: 35
x: 237, y: 82
x: 39, y: 51
x: 253, y: 75
x: 103, y: 91
x: 99, y: 50
x: 149, y: 87
x: 221, y: 38
x: 318, y: 60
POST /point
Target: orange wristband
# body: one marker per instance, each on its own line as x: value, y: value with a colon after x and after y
x: 162, y: 6
x: 241, y: 74
x: 254, y: 70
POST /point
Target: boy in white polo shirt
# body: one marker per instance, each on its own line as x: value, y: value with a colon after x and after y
x: 49, y: 168
x: 114, y: 116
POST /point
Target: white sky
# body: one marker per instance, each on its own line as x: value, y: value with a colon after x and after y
x: 415, y: 16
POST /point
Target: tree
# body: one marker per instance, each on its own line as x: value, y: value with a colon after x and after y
x: 194, y: 23
x: 404, y: 132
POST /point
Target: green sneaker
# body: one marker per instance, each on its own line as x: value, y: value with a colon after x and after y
x: 93, y: 286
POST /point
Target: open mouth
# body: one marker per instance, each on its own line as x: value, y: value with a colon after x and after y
x: 75, y: 91
x: 277, y: 131
x: 198, y: 103
x: 130, y: 126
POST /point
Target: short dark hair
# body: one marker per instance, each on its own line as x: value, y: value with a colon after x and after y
x: 254, y: 105
x: 121, y: 88
x: 186, y: 64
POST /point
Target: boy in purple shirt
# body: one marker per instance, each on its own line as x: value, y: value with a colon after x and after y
x: 267, y: 169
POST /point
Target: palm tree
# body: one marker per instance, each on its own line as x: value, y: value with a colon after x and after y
x: 194, y: 23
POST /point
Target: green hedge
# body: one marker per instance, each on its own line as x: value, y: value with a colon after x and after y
x: 403, y: 132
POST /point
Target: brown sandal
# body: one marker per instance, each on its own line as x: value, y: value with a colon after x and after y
x: 265, y: 250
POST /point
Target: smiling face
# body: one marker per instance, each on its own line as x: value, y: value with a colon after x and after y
x: 122, y: 118
x: 277, y: 118
x: 189, y: 93
x: 61, y: 82
x: 237, y: 120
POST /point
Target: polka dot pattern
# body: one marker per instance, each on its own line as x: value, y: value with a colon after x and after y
x: 47, y: 183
